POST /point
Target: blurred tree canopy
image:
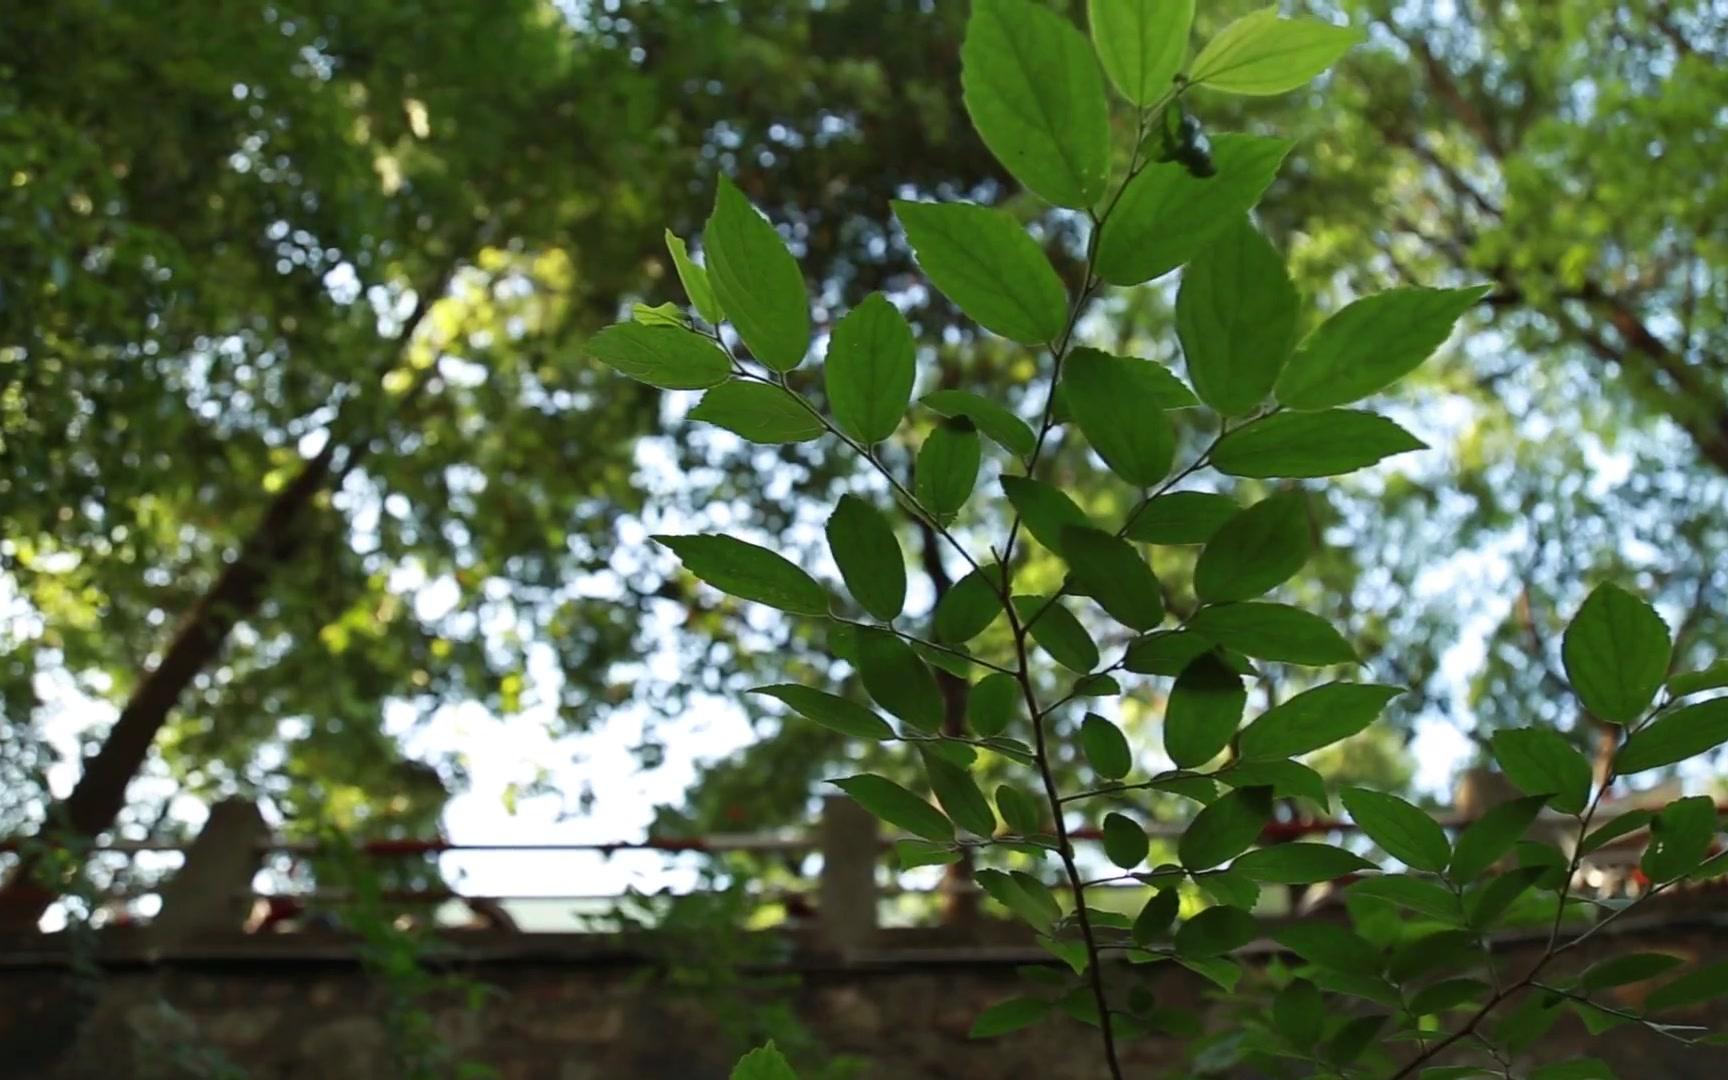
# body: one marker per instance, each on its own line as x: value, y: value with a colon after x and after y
x: 295, y: 422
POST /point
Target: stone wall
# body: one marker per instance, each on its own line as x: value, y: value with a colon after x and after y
x: 583, y: 1009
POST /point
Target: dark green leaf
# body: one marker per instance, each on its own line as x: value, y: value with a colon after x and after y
x: 1713, y: 677
x: 1371, y: 344
x: 749, y: 572
x: 1491, y: 836
x: 1630, y: 821
x: 1167, y: 214
x: 663, y: 356
x: 1299, y: 1013
x: 1259, y: 549
x: 948, y: 467
x: 1225, y: 829
x: 1693, y: 988
x: 1019, y: 810
x: 1036, y: 906
x: 1446, y: 994
x: 1236, y: 315
x: 961, y: 800
x: 1224, y: 974
x: 1076, y: 956
x: 1105, y: 747
x: 1298, y: 444
x: 1616, y: 652
x: 1035, y: 95
x: 1115, y: 400
x: 1679, y: 838
x: 1446, y: 949
x: 1274, y: 632
x: 1424, y: 897
x: 1045, y: 510
x: 1314, y: 718
x: 1408, y: 834
x: 1489, y: 901
x: 835, y: 713
x: 983, y: 261
x: 968, y: 607
x: 1215, y: 931
x: 992, y: 703
x: 1229, y: 887
x: 1141, y: 43
x: 898, y: 680
x: 869, y: 557
x: 1299, y: 863
x: 757, y: 412
x: 1261, y: 54
x: 1576, y: 1069
x: 1111, y: 572
x: 1679, y: 735
x: 1630, y: 968
x: 1125, y: 842
x: 1010, y: 1015
x: 869, y: 369
x: 897, y: 806
x: 1166, y: 653
x: 994, y: 422
x: 912, y: 854
x: 1287, y: 779
x: 1329, y: 945
x: 757, y: 281
x: 1155, y: 918
x: 1055, y: 628
x: 1182, y: 517
x: 1541, y: 762
x: 1203, y: 710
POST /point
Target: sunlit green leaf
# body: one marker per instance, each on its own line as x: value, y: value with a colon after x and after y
x: 1182, y: 517
x: 1408, y: 834
x: 947, y: 469
x: 695, y: 280
x: 1371, y: 344
x: 869, y: 369
x: 982, y: 259
x: 1682, y: 734
x: 1141, y: 43
x: 994, y: 422
x: 959, y: 796
x: 1115, y: 400
x: 749, y: 572
x: 1314, y: 718
x: 757, y: 412
x: 897, y: 806
x: 1327, y: 443
x: 1105, y: 747
x: 1261, y: 54
x: 869, y: 557
x: 1112, y: 573
x: 1616, y: 653
x: 1274, y: 632
x: 836, y: 713
x: 663, y: 356
x: 1236, y: 316
x: 1540, y: 761
x: 756, y: 280
x: 1254, y: 552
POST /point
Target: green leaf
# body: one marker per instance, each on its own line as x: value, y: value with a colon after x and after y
x: 757, y: 281
x: 1406, y: 833
x: 1423, y: 897
x: 1155, y: 918
x: 1141, y: 43
x: 1299, y: 1013
x: 959, y: 796
x: 992, y: 703
x: 1166, y: 214
x: 1225, y: 829
x: 1682, y: 734
x: 968, y: 607
x: 1541, y: 762
x: 1445, y: 995
x: 897, y: 806
x: 1630, y: 821
x: 1491, y: 836
x: 1115, y: 401
x: 749, y: 572
x: 869, y: 557
x: 912, y: 854
x: 1112, y: 573
x: 1297, y: 444
x: 983, y: 261
x: 1616, y: 652
x: 1203, y: 710
x: 1299, y: 863
x: 1229, y: 887
x: 1236, y: 316
x: 1287, y: 779
x: 1060, y: 634
x: 948, y: 467
x: 1434, y: 952
x: 1274, y: 632
x: 1168, y: 652
x: 1261, y: 54
x: 1182, y: 517
x: 1010, y: 1015
x: 898, y: 680
x: 1629, y: 968
x: 663, y: 356
x: 1105, y: 747
x: 834, y: 713
x: 1125, y: 842
x: 758, y: 412
x: 694, y: 280
x: 1037, y: 907
x: 1371, y: 344
x: 763, y: 1063
x: 1679, y: 838
x: 1215, y: 931
x: 1576, y: 1069
x: 1075, y: 955
x: 1314, y: 718
x: 1045, y: 510
x: 1489, y: 901
x: 869, y: 370
x: 1019, y: 810
x: 994, y: 422
x: 1033, y: 90
x: 1713, y: 677
x: 667, y: 314
x: 1259, y: 549
x: 1693, y: 988
x: 1329, y: 945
